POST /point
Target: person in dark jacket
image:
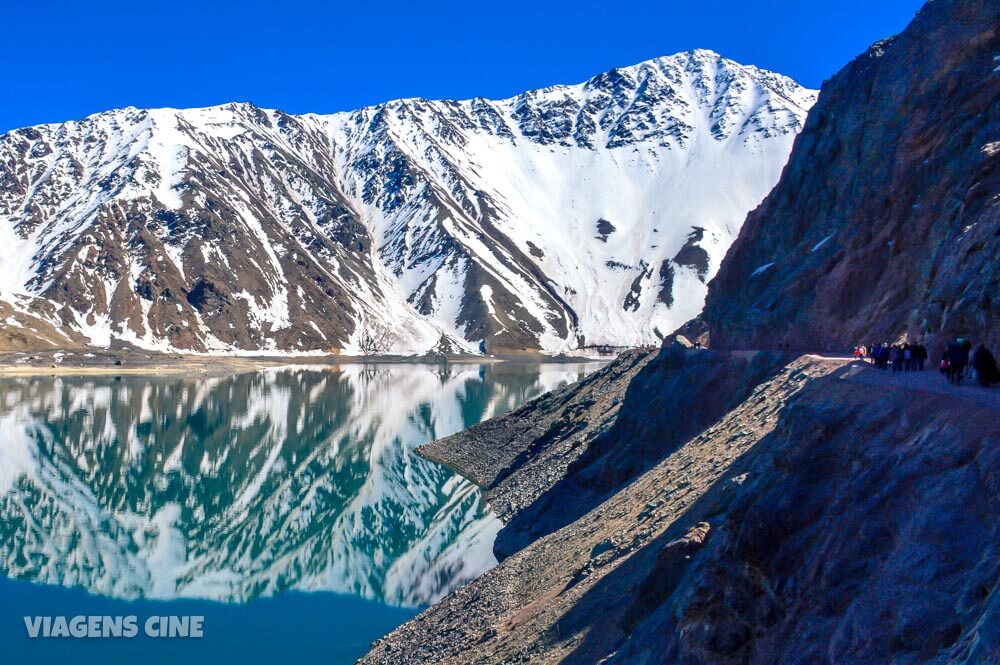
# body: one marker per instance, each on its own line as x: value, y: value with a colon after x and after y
x: 967, y: 345
x: 920, y: 355
x: 958, y: 359
x: 896, y: 358
x: 985, y: 365
x: 883, y: 356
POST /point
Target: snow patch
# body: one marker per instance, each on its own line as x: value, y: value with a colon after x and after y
x: 16, y: 257
x: 169, y: 150
x: 486, y: 291
x: 16, y: 451
x: 821, y: 243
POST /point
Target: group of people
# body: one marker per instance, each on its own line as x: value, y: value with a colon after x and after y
x: 897, y: 357
x: 956, y: 363
x: 958, y: 360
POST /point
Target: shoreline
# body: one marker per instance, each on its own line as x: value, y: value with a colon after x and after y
x: 103, y: 362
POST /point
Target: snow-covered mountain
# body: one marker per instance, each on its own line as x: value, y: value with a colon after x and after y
x: 559, y: 219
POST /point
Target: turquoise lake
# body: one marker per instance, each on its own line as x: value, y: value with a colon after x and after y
x: 285, y: 506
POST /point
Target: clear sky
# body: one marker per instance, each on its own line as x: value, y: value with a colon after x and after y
x: 67, y: 60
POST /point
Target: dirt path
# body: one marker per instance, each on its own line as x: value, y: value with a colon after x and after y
x: 928, y: 381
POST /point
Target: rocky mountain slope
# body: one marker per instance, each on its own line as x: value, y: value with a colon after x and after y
x: 897, y: 232
x: 748, y: 506
x: 811, y: 523
x: 553, y: 221
x: 517, y: 458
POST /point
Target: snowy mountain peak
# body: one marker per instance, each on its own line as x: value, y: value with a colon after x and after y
x: 555, y: 220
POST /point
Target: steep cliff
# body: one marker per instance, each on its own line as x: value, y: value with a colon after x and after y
x: 519, y: 457
x: 833, y: 516
x: 676, y: 395
x: 886, y: 219
x: 742, y: 508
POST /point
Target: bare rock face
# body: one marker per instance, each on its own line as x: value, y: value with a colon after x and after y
x: 26, y: 333
x: 746, y: 509
x: 520, y: 457
x: 885, y: 220
x: 854, y: 534
x: 676, y: 395
x: 831, y: 516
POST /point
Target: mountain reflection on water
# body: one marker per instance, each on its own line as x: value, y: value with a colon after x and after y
x: 236, y: 487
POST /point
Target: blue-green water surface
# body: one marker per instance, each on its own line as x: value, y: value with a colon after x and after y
x: 285, y: 506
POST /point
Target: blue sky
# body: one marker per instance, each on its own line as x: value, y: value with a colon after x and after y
x: 66, y: 60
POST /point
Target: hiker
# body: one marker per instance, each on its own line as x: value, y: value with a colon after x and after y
x: 920, y: 357
x: 985, y: 365
x: 896, y: 358
x: 883, y: 356
x: 967, y: 345
x: 958, y: 359
x: 907, y: 357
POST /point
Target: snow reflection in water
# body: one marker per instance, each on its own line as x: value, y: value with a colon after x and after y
x: 231, y: 488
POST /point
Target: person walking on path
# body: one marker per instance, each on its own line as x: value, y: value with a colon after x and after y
x: 883, y: 356
x: 985, y: 365
x: 896, y: 358
x: 958, y: 358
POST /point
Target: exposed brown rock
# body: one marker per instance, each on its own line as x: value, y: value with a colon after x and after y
x: 885, y: 220
x: 744, y: 510
x: 830, y: 517
x: 518, y: 457
x: 27, y: 333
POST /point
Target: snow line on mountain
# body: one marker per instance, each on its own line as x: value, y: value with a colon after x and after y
x: 560, y: 221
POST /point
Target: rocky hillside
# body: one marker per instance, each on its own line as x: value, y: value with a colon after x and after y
x: 560, y: 219
x: 519, y: 457
x: 811, y: 523
x: 748, y: 506
x: 885, y: 221
x: 675, y: 397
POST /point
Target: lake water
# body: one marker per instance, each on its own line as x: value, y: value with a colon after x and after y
x: 285, y: 506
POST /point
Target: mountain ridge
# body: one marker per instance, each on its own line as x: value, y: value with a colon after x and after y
x: 409, y: 226
x: 610, y: 73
